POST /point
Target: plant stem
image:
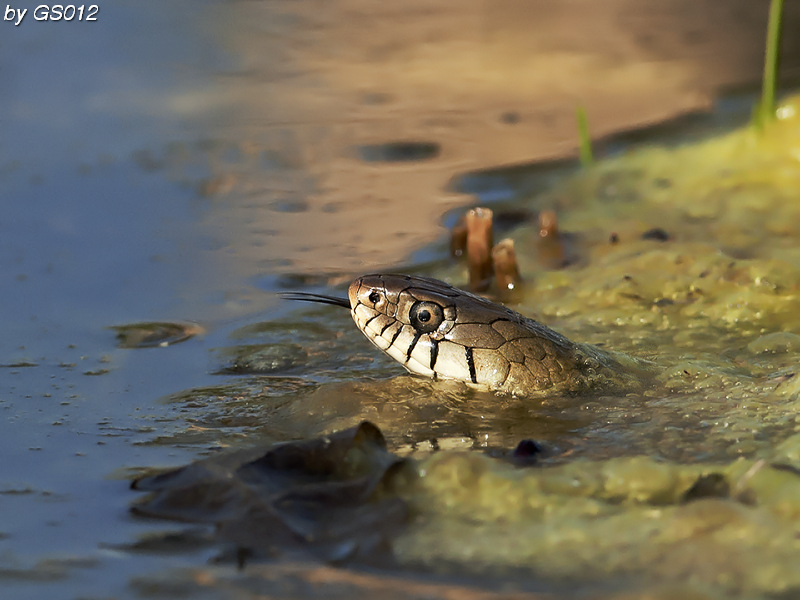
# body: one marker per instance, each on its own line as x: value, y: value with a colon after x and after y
x: 585, y: 141
x: 767, y: 107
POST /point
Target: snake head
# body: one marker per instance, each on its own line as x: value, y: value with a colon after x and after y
x: 404, y: 318
x: 437, y: 331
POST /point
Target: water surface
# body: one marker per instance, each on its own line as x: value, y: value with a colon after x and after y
x: 178, y: 162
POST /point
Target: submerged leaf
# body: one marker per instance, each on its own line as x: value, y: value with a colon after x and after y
x: 321, y: 496
x: 154, y: 334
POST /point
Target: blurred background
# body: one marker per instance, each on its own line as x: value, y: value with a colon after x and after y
x: 173, y: 151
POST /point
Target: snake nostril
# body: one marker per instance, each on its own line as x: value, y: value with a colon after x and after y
x: 374, y: 297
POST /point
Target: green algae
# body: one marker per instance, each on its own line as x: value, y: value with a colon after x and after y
x: 736, y: 192
x: 716, y: 305
x: 694, y: 481
x: 595, y: 521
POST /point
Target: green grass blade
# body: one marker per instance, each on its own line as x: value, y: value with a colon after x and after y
x: 584, y: 140
x: 766, y: 109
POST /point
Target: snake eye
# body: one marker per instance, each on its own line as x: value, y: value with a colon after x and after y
x: 374, y: 297
x: 425, y: 316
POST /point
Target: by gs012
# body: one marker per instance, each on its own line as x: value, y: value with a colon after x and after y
x: 66, y: 12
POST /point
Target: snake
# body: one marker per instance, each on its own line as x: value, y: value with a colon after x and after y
x: 438, y: 331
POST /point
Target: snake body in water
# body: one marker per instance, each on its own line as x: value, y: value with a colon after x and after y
x: 438, y: 331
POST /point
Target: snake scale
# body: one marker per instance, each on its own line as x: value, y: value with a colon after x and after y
x: 436, y: 330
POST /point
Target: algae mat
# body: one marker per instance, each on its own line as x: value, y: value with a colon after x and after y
x: 713, y: 300
x: 686, y: 256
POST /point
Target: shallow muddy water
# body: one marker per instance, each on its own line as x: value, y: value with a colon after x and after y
x: 180, y: 162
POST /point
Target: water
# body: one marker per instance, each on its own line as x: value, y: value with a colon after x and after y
x: 171, y: 162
